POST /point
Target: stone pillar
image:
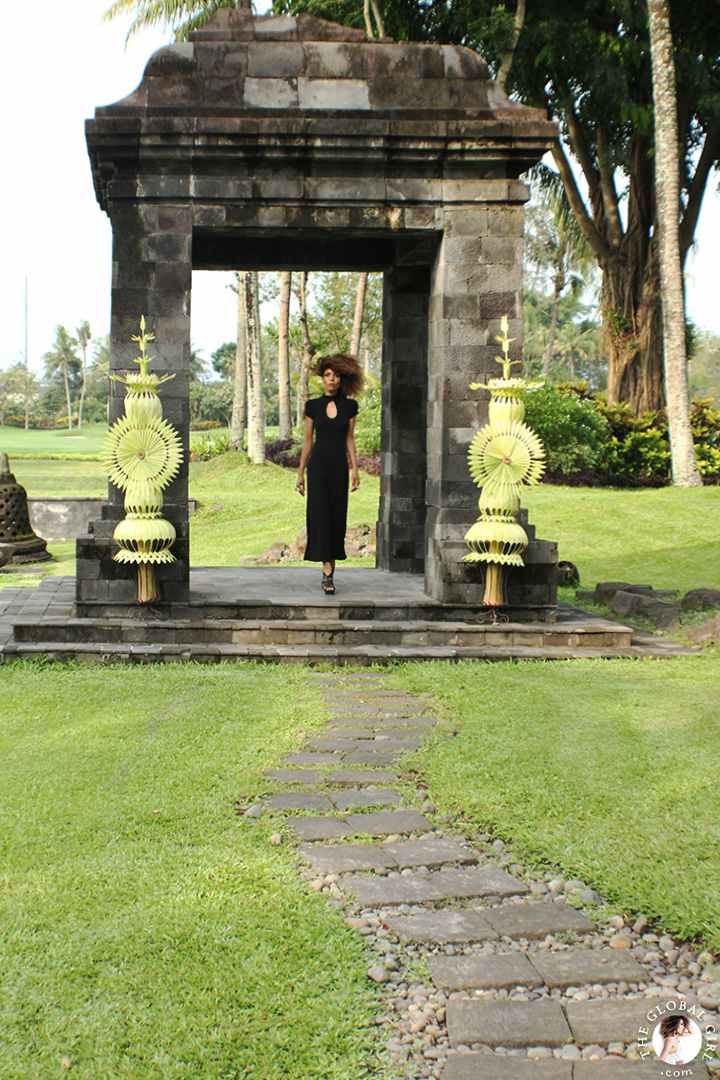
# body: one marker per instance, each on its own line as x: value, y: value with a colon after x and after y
x: 477, y: 278
x: 401, y: 524
x: 152, y: 276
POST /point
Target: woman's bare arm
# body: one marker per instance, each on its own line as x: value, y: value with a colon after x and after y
x: 305, y: 454
x: 355, y: 475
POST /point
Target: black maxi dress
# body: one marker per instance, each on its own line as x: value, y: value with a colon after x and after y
x: 327, y: 478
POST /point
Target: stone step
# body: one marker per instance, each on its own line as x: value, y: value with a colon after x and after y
x: 524, y: 921
x: 318, y: 630
x: 541, y: 967
x: 108, y: 652
x: 448, y: 884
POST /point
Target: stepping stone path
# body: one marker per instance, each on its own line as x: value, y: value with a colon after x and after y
x: 488, y: 973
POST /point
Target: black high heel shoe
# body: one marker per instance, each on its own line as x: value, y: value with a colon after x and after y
x: 328, y: 584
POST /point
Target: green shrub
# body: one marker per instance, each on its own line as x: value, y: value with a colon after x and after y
x: 640, y: 453
x: 705, y: 423
x: 574, y: 432
x: 208, y: 446
x: 367, y: 429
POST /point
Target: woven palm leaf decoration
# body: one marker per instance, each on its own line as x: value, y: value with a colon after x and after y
x: 503, y: 456
x: 142, y: 455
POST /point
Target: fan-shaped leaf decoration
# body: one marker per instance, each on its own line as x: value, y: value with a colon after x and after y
x: 152, y: 453
x: 510, y: 453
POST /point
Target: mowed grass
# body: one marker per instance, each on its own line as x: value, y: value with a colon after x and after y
x: 665, y: 537
x: 242, y: 509
x: 87, y: 440
x: 606, y: 770
x: 145, y: 928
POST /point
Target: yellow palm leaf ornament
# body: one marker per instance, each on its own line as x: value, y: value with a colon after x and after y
x: 142, y: 455
x: 503, y: 456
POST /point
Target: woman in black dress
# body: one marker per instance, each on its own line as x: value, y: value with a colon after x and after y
x: 332, y: 418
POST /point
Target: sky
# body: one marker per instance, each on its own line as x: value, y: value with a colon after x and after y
x: 60, y: 63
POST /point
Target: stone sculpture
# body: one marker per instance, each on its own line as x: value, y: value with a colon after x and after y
x: 15, y: 527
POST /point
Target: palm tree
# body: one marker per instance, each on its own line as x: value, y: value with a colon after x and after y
x: 555, y: 246
x: 250, y: 295
x: 62, y: 357
x: 83, y: 337
x: 685, y: 471
x: 284, y: 417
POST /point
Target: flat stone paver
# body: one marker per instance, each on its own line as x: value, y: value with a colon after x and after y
x: 382, y: 723
x: 298, y: 800
x: 346, y: 858
x: 443, y: 927
x: 295, y: 776
x: 494, y: 1067
x: 431, y: 852
x: 607, y: 1020
x: 512, y: 1024
x: 370, y: 757
x: 389, y: 891
x: 351, y: 800
x: 611, y: 1068
x: 387, y: 822
x: 380, y: 742
x: 334, y: 746
x: 309, y: 759
x: 318, y: 828
x: 348, y: 733
x: 576, y: 967
x: 353, y: 777
x: 480, y: 881
x: 501, y: 972
x: 538, y: 919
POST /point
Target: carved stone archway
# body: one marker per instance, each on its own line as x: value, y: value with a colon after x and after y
x: 293, y: 143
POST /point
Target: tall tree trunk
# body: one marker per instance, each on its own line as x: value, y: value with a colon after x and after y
x: 559, y: 284
x: 685, y: 471
x: 239, y: 409
x: 285, y: 418
x: 308, y: 347
x: 359, y: 312
x: 256, y: 406
x: 67, y: 395
x: 84, y: 385
x: 511, y: 45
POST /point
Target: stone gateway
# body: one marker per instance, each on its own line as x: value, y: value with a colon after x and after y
x: 292, y: 143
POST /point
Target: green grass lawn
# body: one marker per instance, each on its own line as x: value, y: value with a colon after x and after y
x: 145, y: 928
x: 607, y: 770
x: 88, y: 440
x: 665, y: 537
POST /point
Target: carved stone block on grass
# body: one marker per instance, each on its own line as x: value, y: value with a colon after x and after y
x: 351, y: 800
x: 298, y: 800
x: 389, y: 891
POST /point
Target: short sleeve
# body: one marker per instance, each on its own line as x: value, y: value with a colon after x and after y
x: 310, y: 409
x: 353, y: 407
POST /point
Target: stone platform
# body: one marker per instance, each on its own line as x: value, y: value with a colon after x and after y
x: 280, y: 615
